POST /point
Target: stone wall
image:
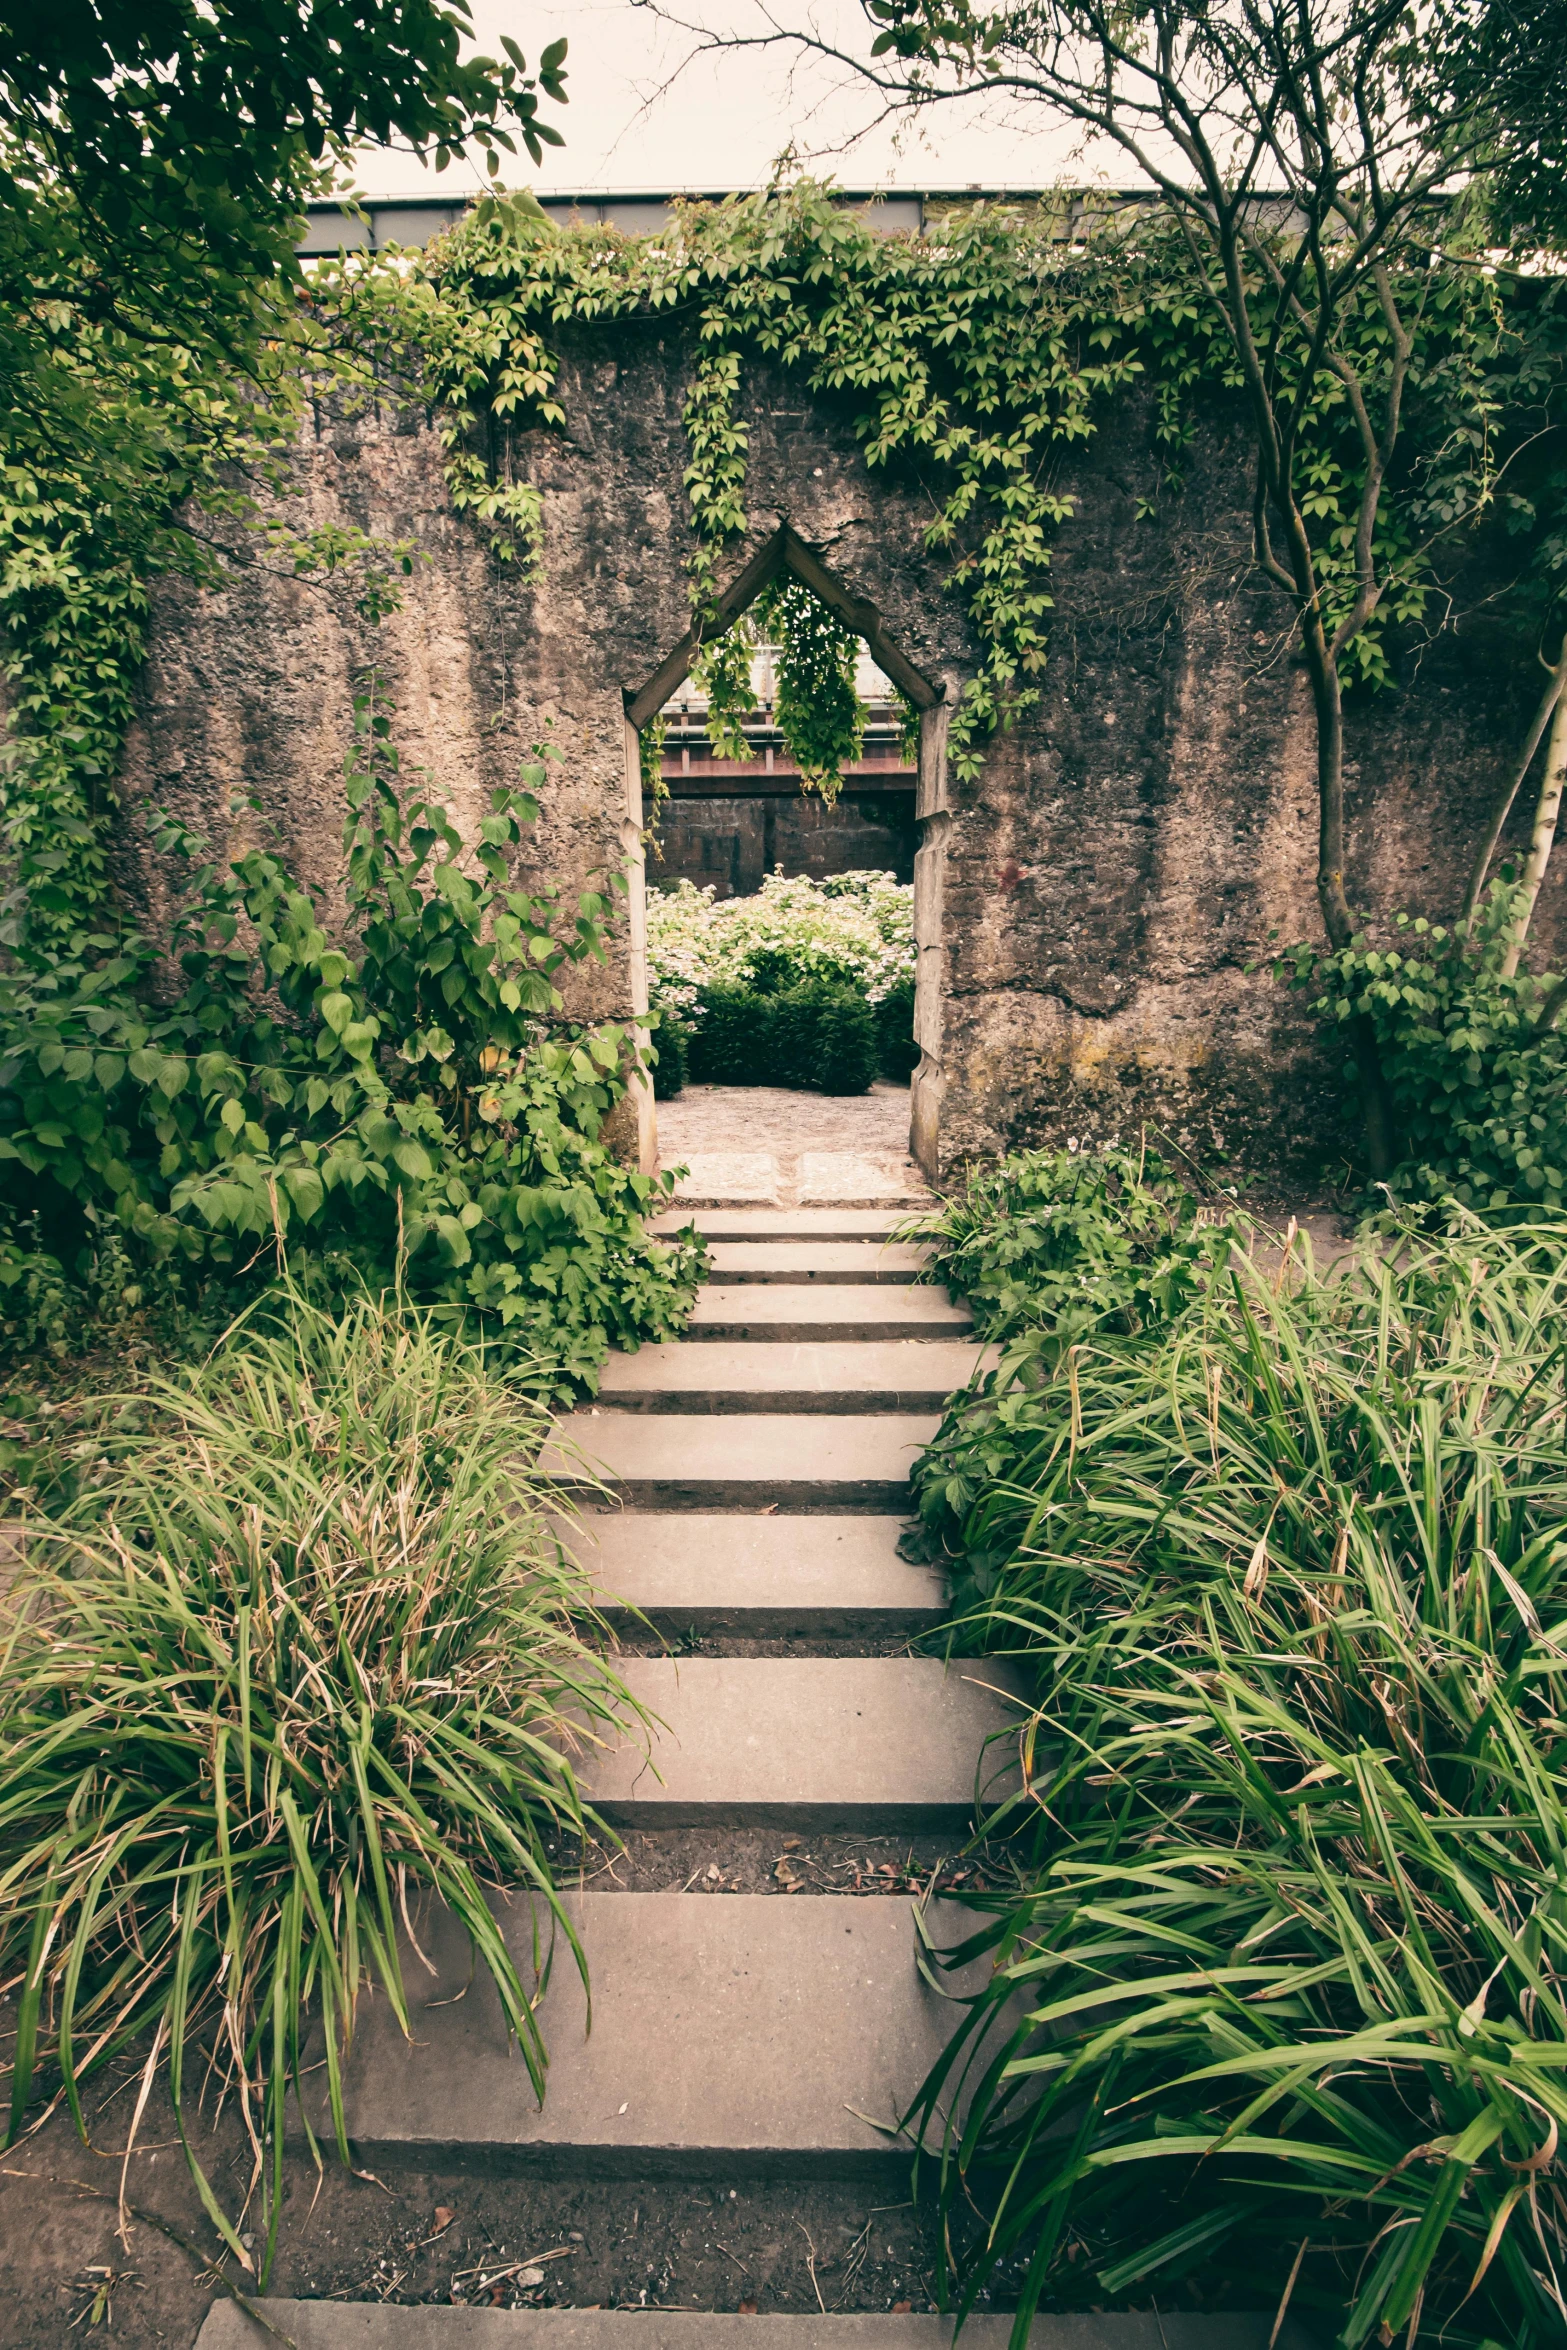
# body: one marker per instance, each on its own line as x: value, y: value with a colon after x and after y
x: 1112, y: 877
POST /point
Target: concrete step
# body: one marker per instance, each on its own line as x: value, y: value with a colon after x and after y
x: 782, y: 1223
x: 685, y: 1572
x: 380, y: 2325
x: 799, y: 1309
x: 886, y: 1744
x: 814, y: 1260
x: 886, y: 1375
x: 733, y: 2034
x: 747, y: 1460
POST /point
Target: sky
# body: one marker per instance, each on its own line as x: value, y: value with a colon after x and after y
x: 641, y: 117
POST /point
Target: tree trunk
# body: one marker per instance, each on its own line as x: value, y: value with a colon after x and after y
x: 1503, y: 805
x: 1337, y: 920
x: 1547, y: 810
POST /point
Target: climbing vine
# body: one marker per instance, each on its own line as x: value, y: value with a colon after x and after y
x: 149, y: 461
x: 817, y: 708
x: 973, y: 359
x: 819, y: 711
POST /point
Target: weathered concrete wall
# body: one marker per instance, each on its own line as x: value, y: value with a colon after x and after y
x: 1129, y: 850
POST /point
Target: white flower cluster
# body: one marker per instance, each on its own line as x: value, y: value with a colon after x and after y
x: 855, y: 927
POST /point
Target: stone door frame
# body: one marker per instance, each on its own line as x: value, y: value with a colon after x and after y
x: 783, y: 552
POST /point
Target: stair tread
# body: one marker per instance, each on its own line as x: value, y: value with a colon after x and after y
x: 815, y: 1260
x: 924, y: 1370
x: 891, y: 1742
x: 684, y: 1568
x: 856, y: 1311
x: 390, y: 2325
x: 731, y: 2032
x: 754, y: 1457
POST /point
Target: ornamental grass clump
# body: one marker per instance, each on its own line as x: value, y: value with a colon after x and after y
x: 1279, y: 2009
x: 310, y: 1653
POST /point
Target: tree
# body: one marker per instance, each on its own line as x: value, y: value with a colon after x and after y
x: 155, y: 155
x: 1312, y: 154
x: 1507, y: 61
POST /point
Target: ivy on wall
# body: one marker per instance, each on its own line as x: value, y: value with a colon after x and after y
x: 964, y: 359
x: 973, y: 358
x: 971, y: 361
x: 147, y: 460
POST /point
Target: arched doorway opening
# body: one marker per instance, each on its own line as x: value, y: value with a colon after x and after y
x: 786, y: 555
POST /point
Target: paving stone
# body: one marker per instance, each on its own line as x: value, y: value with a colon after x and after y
x: 721, y: 1176
x: 363, y: 2325
x: 783, y: 1310
x: 815, y: 1260
x: 890, y: 1375
x: 736, y: 2034
x: 880, y: 1743
x: 853, y: 1178
x: 686, y: 1571
x: 747, y: 1460
x: 741, y: 1223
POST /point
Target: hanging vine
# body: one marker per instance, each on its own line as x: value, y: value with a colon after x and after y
x: 975, y: 358
x: 818, y: 708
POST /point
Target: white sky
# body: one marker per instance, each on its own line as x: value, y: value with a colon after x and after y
x: 636, y: 121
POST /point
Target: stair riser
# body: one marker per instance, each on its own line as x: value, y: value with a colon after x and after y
x: 885, y: 1495
x: 830, y: 1224
x: 756, y: 1326
x: 867, y: 2166
x: 804, y: 1819
x: 931, y: 1397
x: 781, y: 1622
x: 335, y: 2325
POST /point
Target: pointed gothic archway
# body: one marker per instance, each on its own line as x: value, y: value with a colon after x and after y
x: 785, y: 552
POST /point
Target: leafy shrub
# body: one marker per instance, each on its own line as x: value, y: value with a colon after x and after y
x: 816, y: 1037
x: 1475, y: 1066
x: 35, y: 1300
x: 897, y: 1054
x: 825, y: 1039
x: 734, y: 1043
x: 672, y: 1057
x: 1064, y: 1242
x: 312, y: 1646
x: 1279, y: 1988
x: 856, y: 929
x: 847, y: 943
x: 407, y: 1096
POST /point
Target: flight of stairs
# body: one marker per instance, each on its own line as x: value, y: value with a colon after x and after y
x: 762, y: 1468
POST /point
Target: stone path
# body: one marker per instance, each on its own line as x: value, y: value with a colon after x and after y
x: 763, y: 1146
x: 761, y: 1470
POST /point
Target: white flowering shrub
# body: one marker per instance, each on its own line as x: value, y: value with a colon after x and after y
x: 856, y: 928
